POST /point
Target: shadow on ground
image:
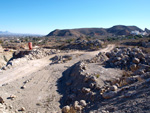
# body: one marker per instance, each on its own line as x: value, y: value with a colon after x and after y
x: 62, y: 87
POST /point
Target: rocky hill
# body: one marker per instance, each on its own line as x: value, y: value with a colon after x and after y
x: 115, y: 30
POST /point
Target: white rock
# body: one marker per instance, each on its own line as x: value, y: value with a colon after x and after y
x: 108, y: 95
x: 66, y: 109
x: 113, y: 88
x: 83, y: 103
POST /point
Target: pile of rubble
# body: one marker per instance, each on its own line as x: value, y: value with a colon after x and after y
x: 100, y: 58
x: 24, y: 56
x: 127, y: 58
x: 35, y: 53
x: 77, y: 94
x: 81, y: 44
x: 83, y: 90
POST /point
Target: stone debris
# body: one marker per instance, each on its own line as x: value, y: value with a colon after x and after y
x: 108, y: 95
x: 100, y: 58
x: 23, y: 87
x: 83, y: 103
x: 83, y: 44
x: 12, y: 97
x: 61, y: 59
x: 66, y: 109
x: 77, y: 106
x: 22, y: 109
x: 113, y: 88
x: 4, y: 108
x: 86, y: 90
x: 127, y: 58
x: 21, y: 57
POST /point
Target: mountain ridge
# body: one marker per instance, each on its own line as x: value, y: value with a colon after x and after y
x: 7, y: 33
x: 115, y: 30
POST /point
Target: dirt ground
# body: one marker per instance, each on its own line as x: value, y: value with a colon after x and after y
x: 34, y: 83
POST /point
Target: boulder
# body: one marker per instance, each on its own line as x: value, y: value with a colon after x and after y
x: 86, y: 90
x: 66, y: 109
x: 22, y: 109
x: 83, y: 103
x: 140, y: 55
x: 136, y: 60
x: 12, y: 97
x: 77, y: 106
x: 113, y: 88
x: 133, y: 67
x: 108, y: 95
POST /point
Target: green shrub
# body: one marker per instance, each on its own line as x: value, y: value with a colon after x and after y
x: 97, y: 75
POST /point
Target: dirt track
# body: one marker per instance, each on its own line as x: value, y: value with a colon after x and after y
x: 40, y: 93
x: 35, y: 65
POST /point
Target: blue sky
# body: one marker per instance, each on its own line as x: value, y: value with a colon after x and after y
x: 43, y: 16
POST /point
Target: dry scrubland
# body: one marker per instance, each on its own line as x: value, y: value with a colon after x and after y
x: 82, y: 75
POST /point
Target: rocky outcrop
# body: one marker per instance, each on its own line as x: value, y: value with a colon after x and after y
x: 61, y: 59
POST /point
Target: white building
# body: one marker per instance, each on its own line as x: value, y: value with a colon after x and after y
x: 138, y: 33
x: 135, y: 32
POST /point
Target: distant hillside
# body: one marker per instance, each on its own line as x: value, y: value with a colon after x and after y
x: 115, y: 30
x: 123, y: 30
x: 4, y: 32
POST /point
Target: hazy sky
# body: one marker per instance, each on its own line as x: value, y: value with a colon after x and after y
x: 43, y: 16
